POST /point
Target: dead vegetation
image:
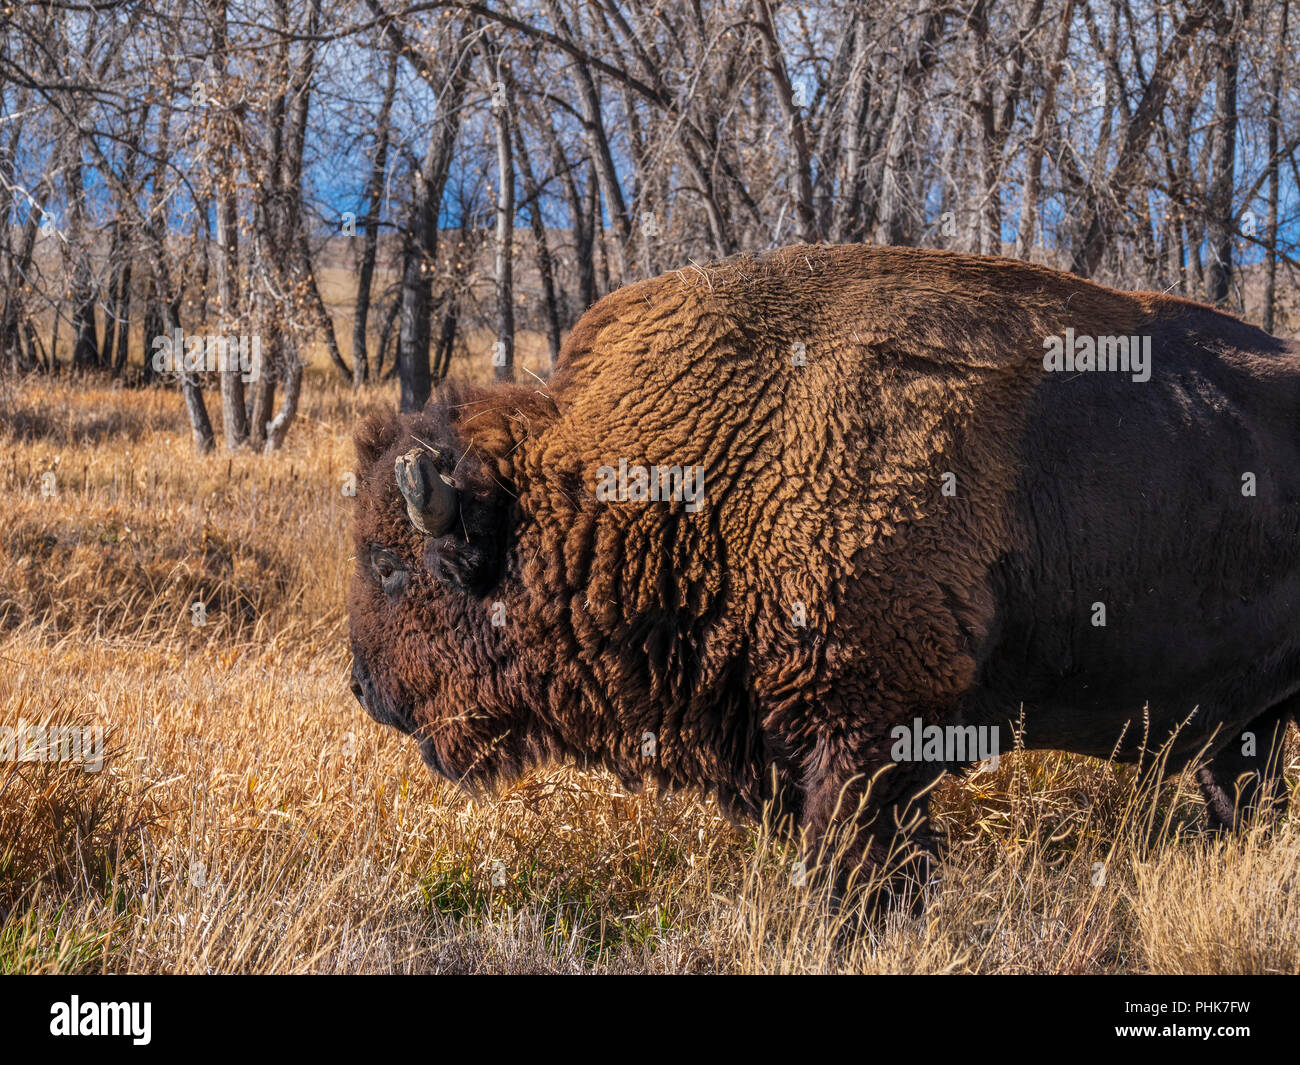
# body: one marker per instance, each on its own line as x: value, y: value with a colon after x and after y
x: 249, y: 818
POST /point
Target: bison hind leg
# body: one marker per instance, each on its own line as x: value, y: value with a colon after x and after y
x: 1244, y: 779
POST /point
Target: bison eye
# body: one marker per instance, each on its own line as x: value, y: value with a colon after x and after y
x: 390, y: 570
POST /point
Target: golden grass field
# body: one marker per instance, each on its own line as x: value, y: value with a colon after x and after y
x: 250, y: 818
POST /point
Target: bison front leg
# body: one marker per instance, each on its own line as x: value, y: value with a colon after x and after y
x: 866, y: 822
x: 1245, y: 777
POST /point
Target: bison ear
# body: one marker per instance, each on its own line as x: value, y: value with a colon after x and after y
x: 373, y: 437
x: 471, y: 555
x: 471, y: 567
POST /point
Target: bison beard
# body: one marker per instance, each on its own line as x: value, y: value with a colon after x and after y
x: 906, y: 517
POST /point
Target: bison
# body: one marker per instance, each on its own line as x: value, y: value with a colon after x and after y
x: 776, y: 522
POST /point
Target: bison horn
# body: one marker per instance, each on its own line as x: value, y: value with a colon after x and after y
x: 430, y: 496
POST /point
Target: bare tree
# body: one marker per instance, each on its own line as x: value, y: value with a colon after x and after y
x: 503, y: 358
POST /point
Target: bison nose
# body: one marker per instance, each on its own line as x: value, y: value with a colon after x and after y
x: 358, y: 682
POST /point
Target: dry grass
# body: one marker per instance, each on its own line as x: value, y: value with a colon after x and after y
x: 250, y: 818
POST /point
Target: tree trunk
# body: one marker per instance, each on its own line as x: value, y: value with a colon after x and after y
x: 1223, y: 151
x: 1274, y: 118
x: 317, y: 309
x: 279, y: 425
x: 420, y: 244
x: 122, y: 313
x: 541, y: 247
x: 234, y: 413
x: 1098, y: 224
x: 896, y: 200
x: 200, y: 423
x: 370, y: 245
x: 446, y: 339
x: 800, y: 160
x: 503, y: 358
x: 1038, y: 138
x: 602, y: 157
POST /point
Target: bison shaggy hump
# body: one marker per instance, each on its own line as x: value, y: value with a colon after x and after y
x: 901, y: 518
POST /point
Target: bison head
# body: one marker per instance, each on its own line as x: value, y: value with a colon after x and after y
x: 432, y: 585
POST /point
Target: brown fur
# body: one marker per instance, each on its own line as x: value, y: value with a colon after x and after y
x: 822, y: 486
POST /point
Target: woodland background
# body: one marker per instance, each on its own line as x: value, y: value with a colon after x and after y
x: 383, y: 187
